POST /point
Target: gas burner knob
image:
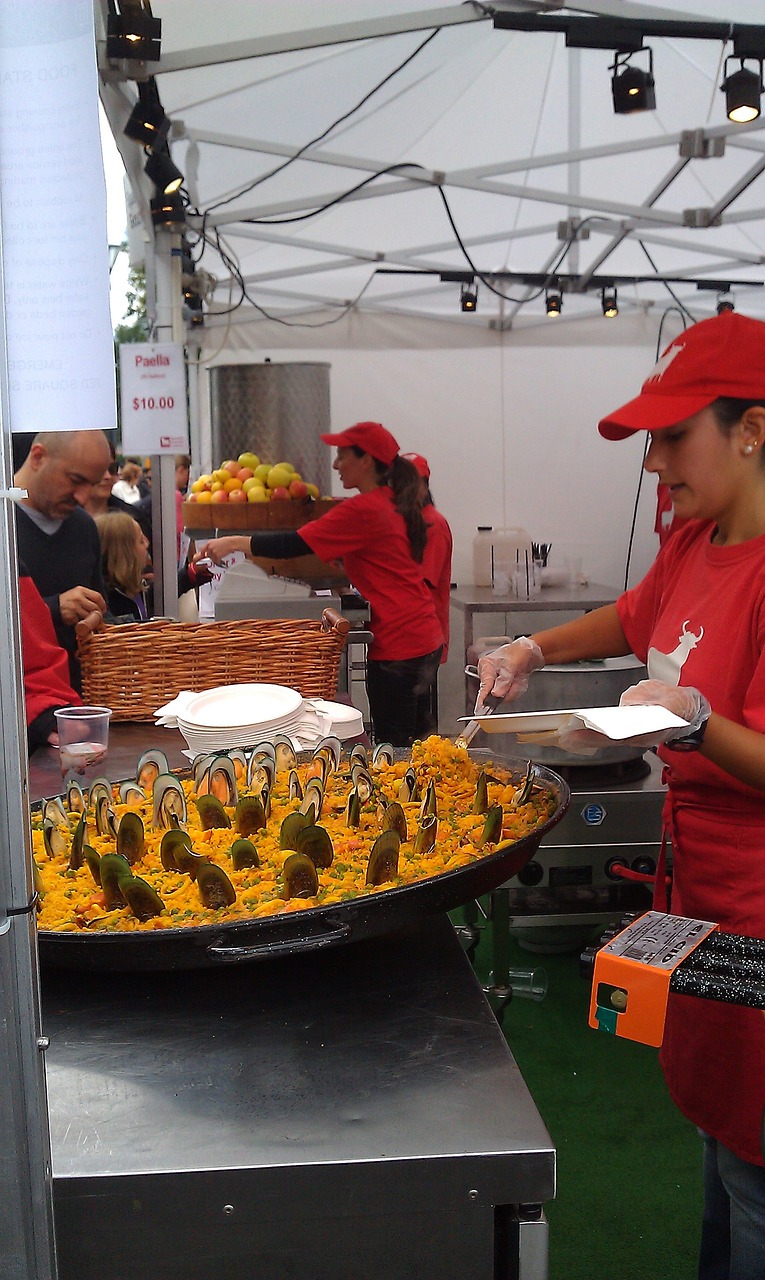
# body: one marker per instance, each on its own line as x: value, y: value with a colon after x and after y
x: 531, y: 874
x: 646, y: 866
x: 612, y: 864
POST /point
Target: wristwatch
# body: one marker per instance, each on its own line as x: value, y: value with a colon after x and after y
x: 691, y: 741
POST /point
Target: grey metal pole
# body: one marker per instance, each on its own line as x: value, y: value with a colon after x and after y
x: 169, y: 328
x: 27, y: 1246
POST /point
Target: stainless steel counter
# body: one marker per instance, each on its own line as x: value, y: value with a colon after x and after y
x: 354, y: 1113
x: 471, y: 600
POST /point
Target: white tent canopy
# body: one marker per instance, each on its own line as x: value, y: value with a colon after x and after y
x: 484, y: 136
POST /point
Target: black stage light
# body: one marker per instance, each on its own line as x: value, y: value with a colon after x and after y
x: 168, y: 211
x: 468, y: 297
x: 632, y: 88
x: 553, y: 302
x: 163, y: 173
x: 609, y: 303
x: 134, y: 35
x: 725, y: 303
x: 193, y: 310
x: 148, y: 123
x: 742, y: 91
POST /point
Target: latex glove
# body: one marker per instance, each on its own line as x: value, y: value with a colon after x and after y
x: 684, y: 701
x: 505, y: 671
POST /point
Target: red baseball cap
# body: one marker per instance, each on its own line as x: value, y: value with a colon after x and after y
x: 372, y: 437
x: 420, y: 463
x: 724, y: 356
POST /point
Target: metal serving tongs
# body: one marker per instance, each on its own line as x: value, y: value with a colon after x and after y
x: 472, y: 727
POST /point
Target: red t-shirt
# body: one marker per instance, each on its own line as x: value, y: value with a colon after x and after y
x: 437, y: 568
x: 369, y: 536
x: 698, y: 619
x: 46, y: 665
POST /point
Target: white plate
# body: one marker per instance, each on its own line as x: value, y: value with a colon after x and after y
x: 617, y: 723
x: 241, y: 704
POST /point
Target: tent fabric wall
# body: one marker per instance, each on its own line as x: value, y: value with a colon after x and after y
x: 510, y: 434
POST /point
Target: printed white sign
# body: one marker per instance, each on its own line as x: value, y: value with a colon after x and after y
x: 153, y: 398
x: 53, y: 201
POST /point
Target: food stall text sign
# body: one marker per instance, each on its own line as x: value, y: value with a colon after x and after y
x: 153, y: 398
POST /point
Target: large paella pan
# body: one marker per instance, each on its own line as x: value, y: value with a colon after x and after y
x: 260, y: 853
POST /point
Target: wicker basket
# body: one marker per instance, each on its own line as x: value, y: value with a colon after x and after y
x: 137, y: 668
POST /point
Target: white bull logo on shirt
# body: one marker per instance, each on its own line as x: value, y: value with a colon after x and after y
x: 668, y: 667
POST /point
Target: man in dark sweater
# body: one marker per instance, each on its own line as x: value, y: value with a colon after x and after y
x: 57, y: 540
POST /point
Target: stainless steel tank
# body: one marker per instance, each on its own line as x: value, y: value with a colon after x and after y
x: 278, y: 411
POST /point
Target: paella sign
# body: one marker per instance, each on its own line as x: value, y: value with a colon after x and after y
x: 153, y: 398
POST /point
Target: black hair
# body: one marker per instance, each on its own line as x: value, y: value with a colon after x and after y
x: 404, y: 479
x: 728, y: 410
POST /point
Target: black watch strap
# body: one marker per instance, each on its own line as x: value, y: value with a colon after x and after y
x: 691, y: 741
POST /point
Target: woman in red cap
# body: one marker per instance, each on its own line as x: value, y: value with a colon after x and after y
x: 380, y: 536
x: 698, y: 621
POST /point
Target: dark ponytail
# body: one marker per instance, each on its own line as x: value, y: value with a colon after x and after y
x: 404, y: 480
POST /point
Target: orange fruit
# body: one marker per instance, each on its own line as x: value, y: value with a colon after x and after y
x: 232, y: 484
x: 204, y: 496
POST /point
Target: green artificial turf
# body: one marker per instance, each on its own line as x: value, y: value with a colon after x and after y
x: 628, y: 1203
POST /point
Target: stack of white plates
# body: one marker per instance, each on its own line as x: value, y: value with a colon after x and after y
x: 239, y: 715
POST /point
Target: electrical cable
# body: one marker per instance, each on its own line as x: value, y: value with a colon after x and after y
x: 321, y: 136
x: 646, y: 445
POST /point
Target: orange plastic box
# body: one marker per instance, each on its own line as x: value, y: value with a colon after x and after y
x: 638, y: 965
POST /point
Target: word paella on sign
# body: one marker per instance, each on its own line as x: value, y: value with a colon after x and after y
x: 153, y: 398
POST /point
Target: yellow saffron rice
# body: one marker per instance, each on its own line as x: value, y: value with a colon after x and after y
x: 71, y: 900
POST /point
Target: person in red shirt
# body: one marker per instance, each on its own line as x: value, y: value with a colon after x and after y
x: 45, y: 666
x: 380, y: 536
x: 698, y: 621
x: 437, y: 559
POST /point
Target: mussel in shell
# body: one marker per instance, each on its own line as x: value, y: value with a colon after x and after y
x: 170, y: 843
x: 315, y: 842
x: 149, y: 767
x: 187, y: 861
x: 408, y: 790
x: 383, y: 753
x: 284, y: 753
x: 358, y: 754
x: 75, y: 797
x: 113, y: 868
x: 291, y: 826
x: 168, y: 802
x: 353, y: 809
x: 261, y: 756
x: 313, y: 798
x: 244, y: 854
x: 130, y: 793
x: 219, y: 779
x: 425, y: 835
x: 429, y: 801
x: 131, y: 838
x: 383, y: 858
x: 362, y: 781
x: 492, y: 827
x: 211, y: 813
x: 295, y: 786
x: 249, y: 815
x: 332, y: 748
x: 53, y: 811
x: 143, y: 901
x: 106, y: 819
x: 262, y: 776
x: 394, y: 819
x: 300, y: 877
x: 215, y: 888
x: 55, y: 843
x: 99, y: 788
x: 481, y: 799
x: 524, y: 790
x: 79, y: 839
x: 92, y: 861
